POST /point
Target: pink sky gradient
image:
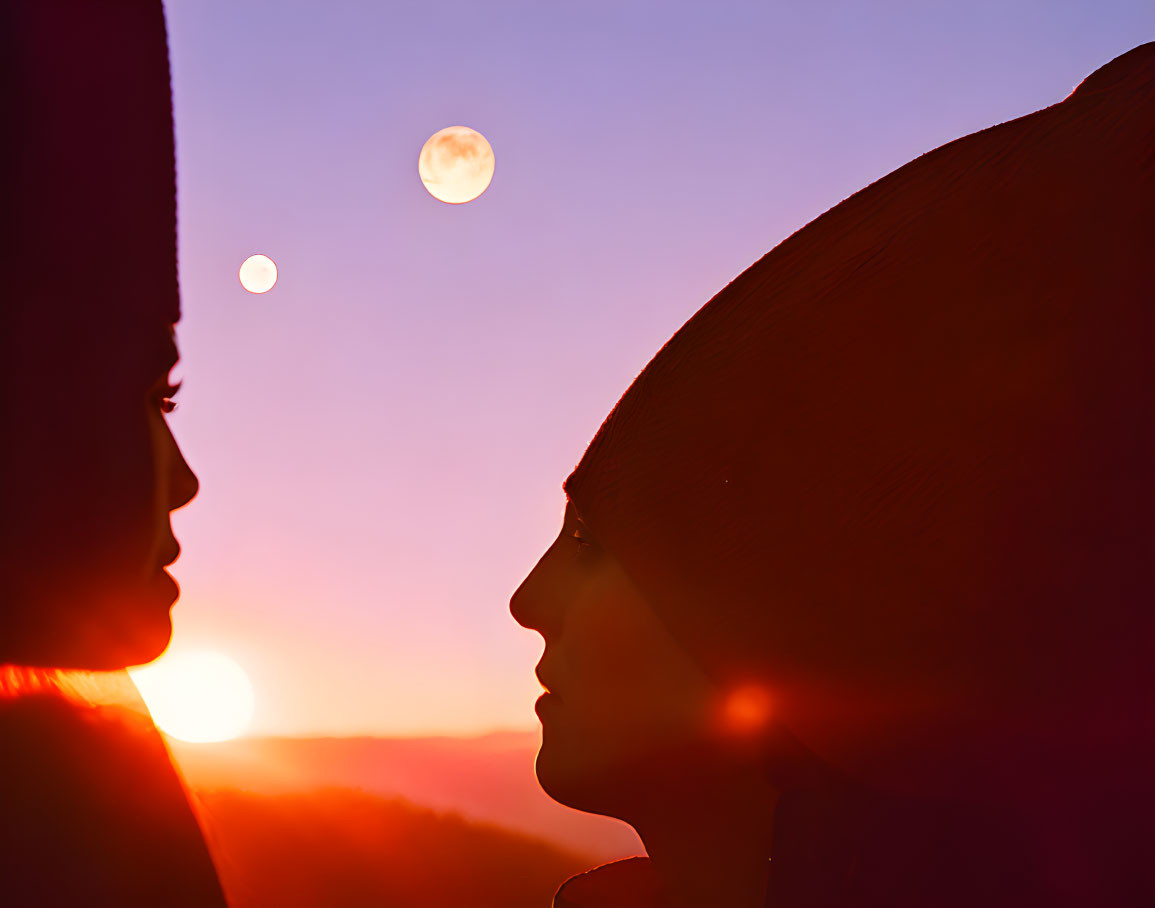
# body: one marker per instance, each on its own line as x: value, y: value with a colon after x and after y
x: 381, y: 438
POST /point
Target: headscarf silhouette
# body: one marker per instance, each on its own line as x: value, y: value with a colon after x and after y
x: 91, y: 810
x: 901, y: 473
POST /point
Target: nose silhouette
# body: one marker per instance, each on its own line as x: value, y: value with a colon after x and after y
x: 534, y: 604
x: 521, y: 607
x: 183, y: 484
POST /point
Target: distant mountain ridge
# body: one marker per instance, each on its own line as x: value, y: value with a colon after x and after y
x: 488, y: 778
x: 350, y: 849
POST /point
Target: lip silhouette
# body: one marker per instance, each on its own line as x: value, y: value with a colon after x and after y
x: 546, y: 703
x: 545, y: 680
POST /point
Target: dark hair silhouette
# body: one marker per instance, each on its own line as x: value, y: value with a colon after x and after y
x: 93, y: 812
x: 900, y: 476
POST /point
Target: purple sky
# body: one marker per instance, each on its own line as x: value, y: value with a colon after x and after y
x: 381, y: 438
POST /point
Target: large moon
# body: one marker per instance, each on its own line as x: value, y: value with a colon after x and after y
x: 456, y: 164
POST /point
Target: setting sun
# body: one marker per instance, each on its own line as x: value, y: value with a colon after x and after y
x: 197, y: 697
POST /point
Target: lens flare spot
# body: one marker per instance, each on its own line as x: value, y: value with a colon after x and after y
x: 746, y: 709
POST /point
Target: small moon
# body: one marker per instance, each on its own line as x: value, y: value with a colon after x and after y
x: 258, y: 273
x: 456, y: 164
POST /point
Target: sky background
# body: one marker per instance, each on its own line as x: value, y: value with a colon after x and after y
x: 381, y: 439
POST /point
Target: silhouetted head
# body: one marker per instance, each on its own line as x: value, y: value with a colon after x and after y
x: 88, y: 468
x: 898, y: 476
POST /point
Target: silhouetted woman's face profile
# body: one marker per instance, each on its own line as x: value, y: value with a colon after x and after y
x: 622, y: 697
x: 101, y: 473
x: 130, y: 597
